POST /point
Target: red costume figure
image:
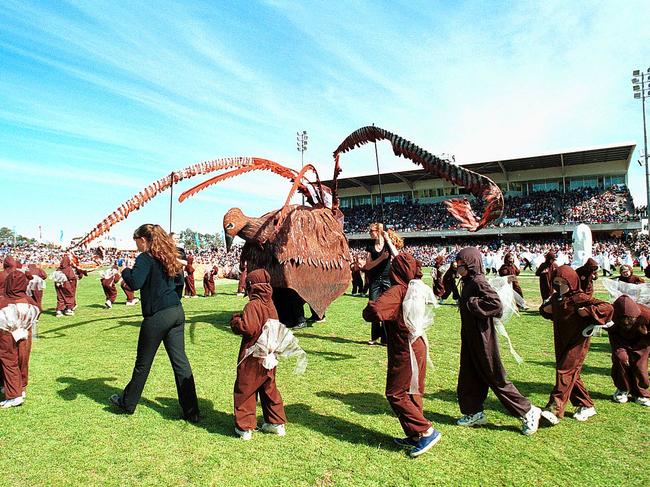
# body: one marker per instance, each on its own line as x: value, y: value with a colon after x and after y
x: 357, y: 279
x: 545, y: 273
x: 388, y: 309
x: 436, y: 275
x: 109, y: 280
x: 449, y: 283
x: 572, y: 312
x: 252, y: 378
x: 510, y: 269
x: 588, y: 273
x: 208, y: 280
x: 627, y: 275
x: 480, y: 362
x: 65, y: 281
x: 243, y: 271
x: 80, y: 273
x: 38, y: 275
x: 630, y: 343
x: 190, y: 289
x: 18, y: 313
x: 8, y: 266
x: 130, y: 294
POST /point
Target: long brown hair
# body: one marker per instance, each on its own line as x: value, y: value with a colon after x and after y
x: 161, y: 247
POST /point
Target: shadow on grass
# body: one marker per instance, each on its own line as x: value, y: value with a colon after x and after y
x: 331, y: 356
x: 97, y: 389
x: 360, y: 402
x: 586, y: 369
x: 334, y: 339
x: 56, y: 332
x: 338, y: 428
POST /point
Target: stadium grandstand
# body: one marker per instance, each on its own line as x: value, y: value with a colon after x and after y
x: 545, y: 196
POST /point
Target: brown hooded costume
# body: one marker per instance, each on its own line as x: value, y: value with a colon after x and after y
x: 588, y: 273
x: 436, y: 275
x: 252, y: 377
x: 37, y: 294
x: 190, y: 288
x: 65, y: 292
x: 208, y: 281
x: 480, y: 362
x: 388, y: 308
x: 8, y: 266
x: 14, y: 357
x: 631, y: 279
x: 545, y: 273
x: 510, y: 269
x: 630, y: 347
x: 571, y: 346
x: 449, y: 283
x: 108, y: 285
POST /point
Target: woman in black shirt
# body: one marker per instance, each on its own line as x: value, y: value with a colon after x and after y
x: 164, y: 319
x: 377, y: 268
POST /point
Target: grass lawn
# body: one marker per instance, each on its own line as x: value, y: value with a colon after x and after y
x: 340, y: 426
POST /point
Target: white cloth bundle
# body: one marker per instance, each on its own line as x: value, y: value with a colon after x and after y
x: 59, y: 278
x: 277, y: 342
x: 638, y: 292
x: 18, y: 318
x: 108, y: 273
x: 417, y: 309
x: 35, y: 283
x: 509, y: 300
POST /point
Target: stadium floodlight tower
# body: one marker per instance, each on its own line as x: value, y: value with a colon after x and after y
x: 301, y: 145
x: 641, y: 88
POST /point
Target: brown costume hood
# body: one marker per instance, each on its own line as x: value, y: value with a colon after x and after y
x: 473, y: 260
x: 9, y: 263
x: 16, y: 289
x: 404, y: 269
x: 259, y: 283
x: 625, y: 306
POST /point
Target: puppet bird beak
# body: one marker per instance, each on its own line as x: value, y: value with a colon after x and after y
x: 229, y: 240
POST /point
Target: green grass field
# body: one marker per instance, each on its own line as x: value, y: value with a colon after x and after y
x: 340, y: 426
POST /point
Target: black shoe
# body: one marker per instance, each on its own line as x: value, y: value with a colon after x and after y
x: 116, y: 401
x: 192, y: 418
x: 302, y: 324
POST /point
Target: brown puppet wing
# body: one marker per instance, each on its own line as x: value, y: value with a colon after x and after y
x: 314, y: 255
x: 480, y: 186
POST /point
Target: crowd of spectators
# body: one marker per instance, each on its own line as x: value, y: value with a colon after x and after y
x: 584, y: 205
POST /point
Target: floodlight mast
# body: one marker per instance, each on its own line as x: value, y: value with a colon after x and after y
x: 301, y: 145
x: 641, y: 89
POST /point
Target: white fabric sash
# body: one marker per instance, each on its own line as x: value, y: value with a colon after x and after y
x: 277, y: 342
x: 18, y: 318
x: 509, y: 300
x: 59, y: 278
x: 35, y: 283
x: 417, y: 309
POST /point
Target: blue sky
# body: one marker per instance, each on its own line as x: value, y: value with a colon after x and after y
x: 99, y: 99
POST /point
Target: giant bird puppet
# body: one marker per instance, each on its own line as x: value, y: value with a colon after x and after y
x: 303, y: 246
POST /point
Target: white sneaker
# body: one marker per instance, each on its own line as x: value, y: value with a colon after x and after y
x: 643, y: 401
x: 472, y: 419
x: 135, y: 301
x: 12, y: 403
x: 531, y: 421
x: 240, y: 295
x: 550, y: 417
x: 245, y: 435
x: 68, y: 312
x: 620, y: 396
x: 59, y: 314
x: 130, y: 303
x: 583, y: 413
x: 276, y: 429
x: 109, y: 305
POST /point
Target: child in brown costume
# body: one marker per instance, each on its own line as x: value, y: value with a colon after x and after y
x: 480, y: 362
x: 630, y: 343
x: 252, y: 378
x: 588, y: 273
x: 572, y: 312
x: 421, y: 436
x: 545, y: 273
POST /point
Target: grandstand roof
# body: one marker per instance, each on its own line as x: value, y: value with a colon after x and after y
x: 610, y: 153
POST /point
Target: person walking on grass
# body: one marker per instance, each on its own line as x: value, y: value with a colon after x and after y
x: 164, y: 320
x: 407, y: 353
x: 253, y: 378
x: 480, y: 362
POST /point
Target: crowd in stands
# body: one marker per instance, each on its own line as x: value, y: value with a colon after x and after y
x: 50, y: 256
x: 584, y: 205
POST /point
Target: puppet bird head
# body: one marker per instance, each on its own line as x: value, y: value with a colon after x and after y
x: 234, y: 222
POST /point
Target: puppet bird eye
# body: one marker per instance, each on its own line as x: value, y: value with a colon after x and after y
x: 230, y: 226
